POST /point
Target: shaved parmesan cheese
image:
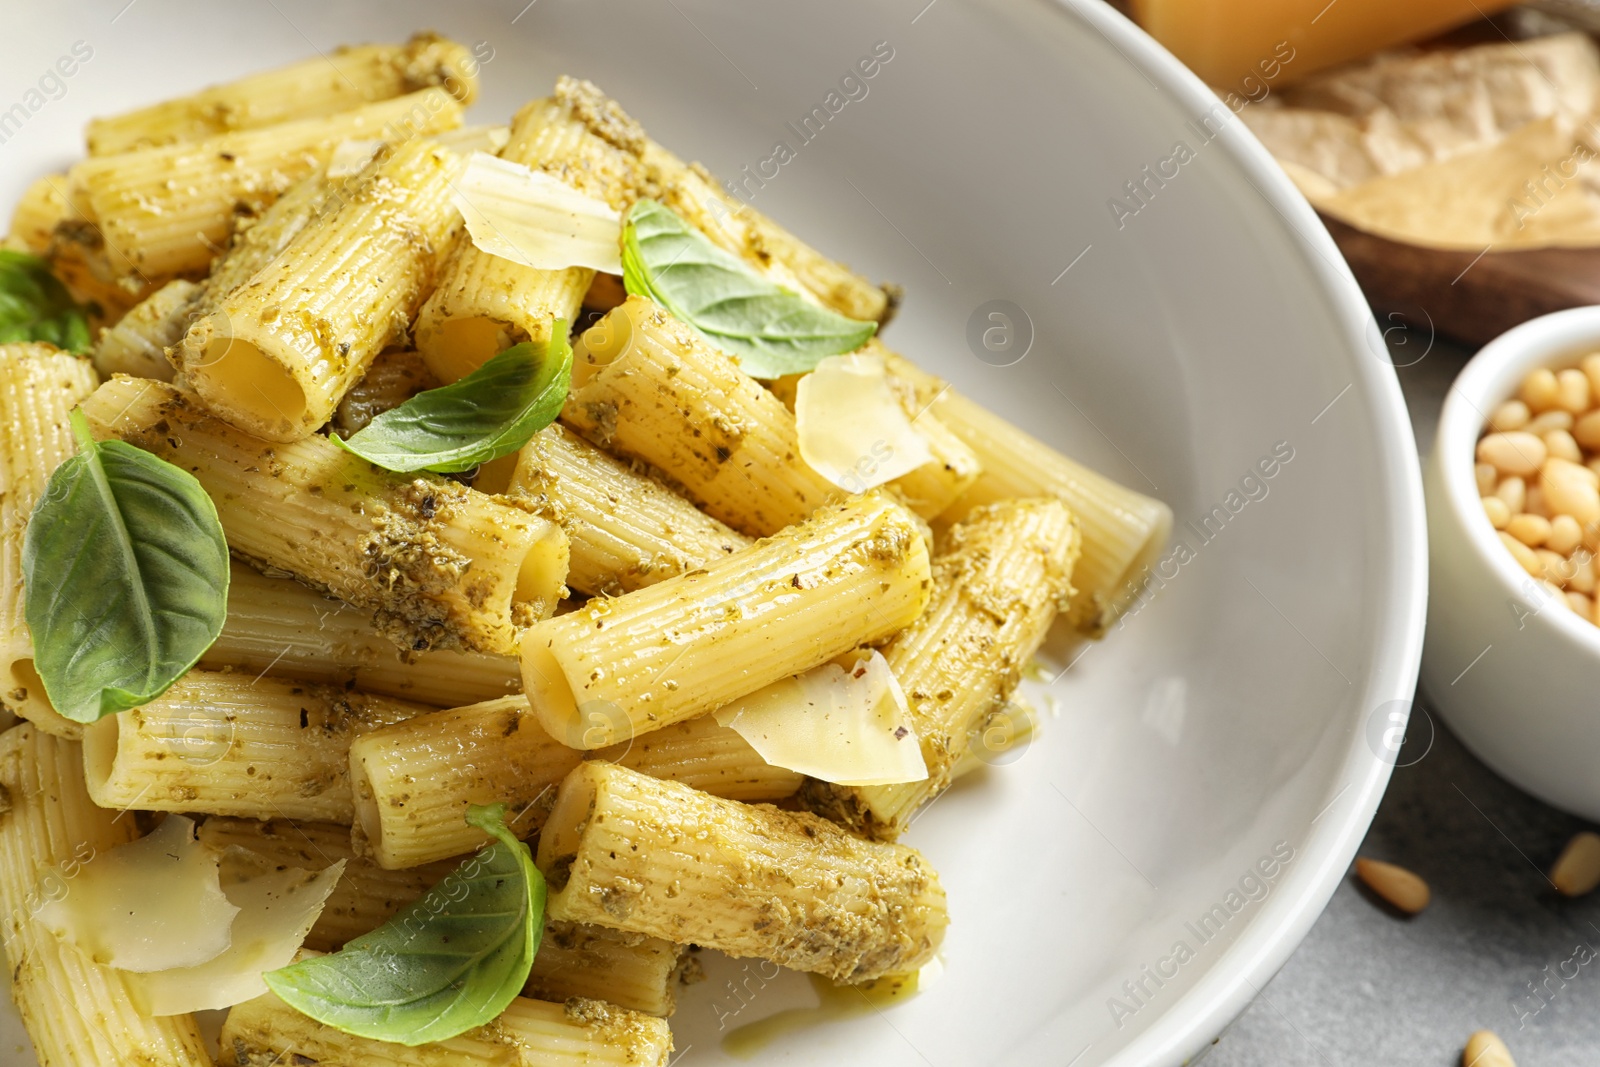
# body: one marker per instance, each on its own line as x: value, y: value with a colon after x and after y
x: 464, y: 140
x: 852, y: 428
x: 277, y: 908
x: 350, y: 156
x: 531, y: 218
x: 147, y: 905
x: 849, y: 726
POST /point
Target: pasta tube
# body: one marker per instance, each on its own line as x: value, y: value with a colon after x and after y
x: 43, y: 206
x: 279, y: 626
x: 162, y: 212
x: 998, y: 580
x: 77, y: 1011
x: 138, y: 343
x: 616, y: 668
x: 641, y: 854
x: 39, y: 386
x: 226, y: 744
x: 277, y: 354
x: 485, y: 304
x: 646, y: 386
x: 626, y: 529
x: 439, y: 565
x: 415, y: 780
x: 574, y: 960
x: 705, y: 755
x: 1123, y: 531
x: 579, y: 1033
x: 339, y: 81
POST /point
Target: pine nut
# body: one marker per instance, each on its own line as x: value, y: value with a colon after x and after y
x: 1523, y: 555
x: 1560, y: 443
x: 1497, y: 511
x: 1514, y: 491
x: 1394, y: 884
x: 1587, y: 431
x: 1567, y: 490
x: 1583, y: 576
x: 1487, y: 477
x: 1581, y: 605
x: 1485, y: 1049
x: 1590, y: 365
x: 1572, y: 388
x: 1512, y: 415
x: 1540, y: 390
x: 1514, y: 452
x: 1593, y: 464
x: 1565, y: 535
x: 1531, y: 530
x: 1554, y: 595
x: 1577, y: 869
x: 1536, y: 503
x: 1542, y: 424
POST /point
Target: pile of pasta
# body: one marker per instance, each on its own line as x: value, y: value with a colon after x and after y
x: 282, y: 259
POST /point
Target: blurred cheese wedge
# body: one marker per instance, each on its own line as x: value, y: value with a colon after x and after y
x: 1229, y: 41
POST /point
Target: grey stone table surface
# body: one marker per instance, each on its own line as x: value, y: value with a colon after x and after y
x: 1497, y: 948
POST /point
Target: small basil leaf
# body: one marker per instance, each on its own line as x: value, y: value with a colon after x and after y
x: 490, y: 413
x: 34, y: 306
x: 445, y: 964
x: 125, y: 577
x: 770, y: 330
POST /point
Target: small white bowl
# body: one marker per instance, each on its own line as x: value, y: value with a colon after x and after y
x: 1517, y: 678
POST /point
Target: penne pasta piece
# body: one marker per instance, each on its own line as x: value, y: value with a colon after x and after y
x: 626, y: 530
x: 662, y: 859
x: 1123, y: 531
x: 276, y: 355
x: 42, y: 208
x: 415, y: 780
x: 280, y: 627
x: 999, y: 578
x: 853, y: 574
x: 229, y: 744
x: 391, y: 379
x: 438, y: 564
x: 39, y: 387
x: 574, y: 960
x: 579, y: 1033
x: 77, y: 1012
x: 705, y: 755
x: 137, y: 345
x: 648, y: 387
x: 162, y: 212
x: 484, y: 304
x: 346, y: 78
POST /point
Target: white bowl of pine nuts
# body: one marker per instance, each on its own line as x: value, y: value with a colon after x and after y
x: 1512, y: 658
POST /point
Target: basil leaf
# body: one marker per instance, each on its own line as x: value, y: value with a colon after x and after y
x: 490, y: 413
x: 445, y: 964
x: 125, y: 575
x: 34, y: 306
x: 770, y: 330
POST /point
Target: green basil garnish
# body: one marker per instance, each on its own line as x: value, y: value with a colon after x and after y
x: 490, y: 413
x: 445, y: 964
x: 125, y: 575
x: 770, y: 330
x: 34, y: 306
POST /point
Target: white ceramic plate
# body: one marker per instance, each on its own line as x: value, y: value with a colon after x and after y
x: 1235, y: 714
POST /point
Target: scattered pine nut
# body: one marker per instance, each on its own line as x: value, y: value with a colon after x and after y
x: 1572, y: 389
x: 1513, y: 452
x: 1487, y: 478
x: 1562, y: 444
x: 1514, y: 491
x: 1577, y: 869
x: 1512, y: 415
x: 1524, y: 555
x: 1531, y: 530
x: 1565, y: 535
x: 1581, y: 605
x: 1497, y: 511
x: 1485, y: 1049
x: 1396, y: 885
x: 1586, y: 431
x: 1540, y: 425
x: 1540, y: 391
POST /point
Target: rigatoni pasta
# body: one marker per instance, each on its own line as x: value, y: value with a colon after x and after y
x: 77, y: 1011
x: 641, y: 854
x: 438, y: 564
x: 342, y: 80
x: 620, y: 667
x: 277, y: 354
x: 229, y: 744
x: 38, y: 387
